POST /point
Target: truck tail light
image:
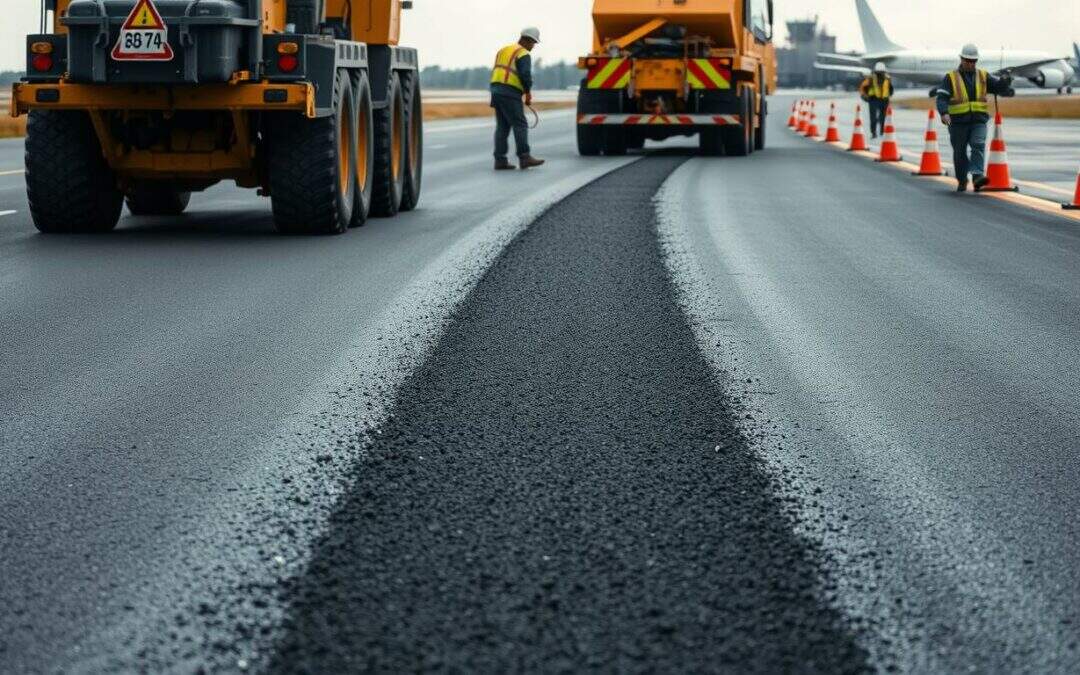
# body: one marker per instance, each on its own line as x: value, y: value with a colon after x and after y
x: 287, y: 63
x: 42, y: 63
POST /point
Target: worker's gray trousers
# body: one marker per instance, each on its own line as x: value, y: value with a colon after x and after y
x: 877, y: 107
x: 510, y: 114
x: 962, y: 137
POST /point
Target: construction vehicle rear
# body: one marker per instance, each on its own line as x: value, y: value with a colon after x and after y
x: 664, y: 68
x: 313, y: 102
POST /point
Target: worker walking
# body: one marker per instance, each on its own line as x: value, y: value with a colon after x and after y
x: 963, y: 104
x: 511, y: 79
x: 876, y: 90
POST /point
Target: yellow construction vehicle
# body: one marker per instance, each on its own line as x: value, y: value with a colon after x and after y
x: 145, y: 101
x: 663, y: 68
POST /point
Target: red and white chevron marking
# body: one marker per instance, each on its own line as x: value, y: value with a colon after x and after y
x: 675, y: 120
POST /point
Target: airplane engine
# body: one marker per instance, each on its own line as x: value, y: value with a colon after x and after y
x: 1050, y: 78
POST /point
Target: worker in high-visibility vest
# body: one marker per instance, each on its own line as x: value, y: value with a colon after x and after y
x: 511, y: 79
x: 963, y: 103
x: 876, y: 90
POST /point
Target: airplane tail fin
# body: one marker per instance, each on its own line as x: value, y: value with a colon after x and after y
x: 1076, y: 52
x: 874, y: 37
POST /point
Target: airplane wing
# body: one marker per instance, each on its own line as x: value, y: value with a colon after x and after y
x: 842, y: 68
x: 846, y: 59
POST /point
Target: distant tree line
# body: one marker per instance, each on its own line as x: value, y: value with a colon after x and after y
x: 8, y: 77
x: 557, y: 76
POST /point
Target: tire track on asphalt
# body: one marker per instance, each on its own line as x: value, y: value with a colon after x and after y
x: 562, y: 485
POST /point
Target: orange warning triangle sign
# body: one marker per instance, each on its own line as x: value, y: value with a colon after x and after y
x: 144, y: 16
x: 144, y: 36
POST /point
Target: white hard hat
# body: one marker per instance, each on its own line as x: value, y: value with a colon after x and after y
x: 532, y: 33
x: 879, y: 67
x: 970, y: 52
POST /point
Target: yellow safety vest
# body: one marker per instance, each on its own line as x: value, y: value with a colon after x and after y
x: 962, y: 102
x: 881, y: 91
x: 505, y: 71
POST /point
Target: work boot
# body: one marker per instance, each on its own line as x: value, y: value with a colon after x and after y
x: 980, y: 182
x: 961, y: 186
x: 528, y: 161
x: 503, y: 164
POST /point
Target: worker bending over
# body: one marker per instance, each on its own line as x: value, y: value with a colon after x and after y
x: 963, y: 104
x: 510, y: 80
x: 876, y: 90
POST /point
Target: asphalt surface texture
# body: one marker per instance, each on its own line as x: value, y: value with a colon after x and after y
x: 916, y: 350
x: 795, y: 411
x: 562, y: 485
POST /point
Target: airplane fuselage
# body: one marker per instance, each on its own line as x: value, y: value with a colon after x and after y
x: 929, y: 66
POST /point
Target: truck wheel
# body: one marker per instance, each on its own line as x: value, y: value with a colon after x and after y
x: 312, y: 170
x: 751, y: 117
x: 711, y: 141
x: 614, y: 141
x: 414, y: 119
x: 69, y: 186
x: 592, y: 138
x: 390, y: 147
x: 737, y: 139
x: 364, y: 152
x: 156, y: 201
x: 759, y: 133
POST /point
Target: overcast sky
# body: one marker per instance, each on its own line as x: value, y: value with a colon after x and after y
x: 455, y: 33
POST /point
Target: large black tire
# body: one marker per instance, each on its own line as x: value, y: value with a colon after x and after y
x: 69, y: 186
x: 615, y: 142
x: 635, y: 140
x: 594, y: 139
x: 390, y: 153
x: 364, y: 153
x: 590, y: 138
x: 312, y: 168
x: 759, y: 133
x: 711, y: 141
x: 738, y: 140
x: 156, y: 200
x: 414, y: 151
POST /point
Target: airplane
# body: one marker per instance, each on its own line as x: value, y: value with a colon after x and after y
x: 925, y: 66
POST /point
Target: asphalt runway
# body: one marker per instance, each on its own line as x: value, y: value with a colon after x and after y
x: 915, y: 351
x: 800, y: 412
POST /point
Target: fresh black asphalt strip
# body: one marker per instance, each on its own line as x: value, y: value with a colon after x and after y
x: 562, y: 486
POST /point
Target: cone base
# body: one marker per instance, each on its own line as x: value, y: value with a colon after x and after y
x: 1071, y: 207
x: 998, y: 189
x: 929, y: 173
x: 887, y: 161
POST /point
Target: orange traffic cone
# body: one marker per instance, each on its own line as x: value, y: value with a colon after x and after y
x: 858, y: 138
x: 832, y: 134
x: 1075, y: 206
x: 811, y: 125
x: 890, y: 151
x: 931, y: 156
x: 804, y: 112
x: 791, y: 120
x: 997, y: 165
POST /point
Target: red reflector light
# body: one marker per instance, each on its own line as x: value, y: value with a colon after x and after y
x: 41, y: 63
x: 287, y: 63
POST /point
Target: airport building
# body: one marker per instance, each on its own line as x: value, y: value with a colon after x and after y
x: 795, y: 62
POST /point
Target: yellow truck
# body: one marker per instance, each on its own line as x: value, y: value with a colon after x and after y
x: 663, y: 68
x: 313, y: 102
